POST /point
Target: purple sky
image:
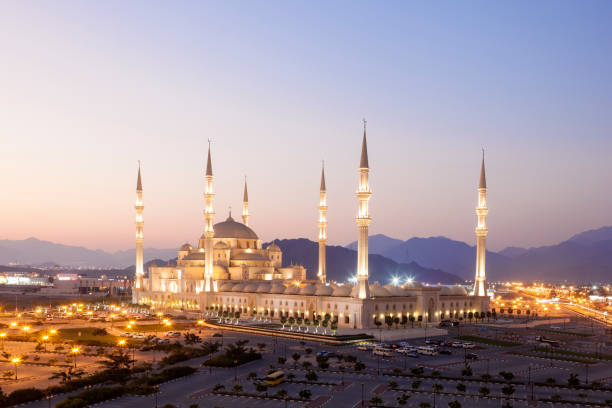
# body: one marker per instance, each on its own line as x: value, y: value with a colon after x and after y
x: 88, y: 88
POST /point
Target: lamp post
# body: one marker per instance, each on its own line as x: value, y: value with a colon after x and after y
x: 16, y: 361
x: 75, y: 351
x: 44, y: 340
x: 362, y: 394
x: 2, y: 336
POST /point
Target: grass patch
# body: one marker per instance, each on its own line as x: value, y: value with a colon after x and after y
x: 492, y: 342
x: 575, y: 353
x: 565, y: 332
x: 553, y: 356
x: 224, y: 360
x: 90, y: 336
x: 155, y: 327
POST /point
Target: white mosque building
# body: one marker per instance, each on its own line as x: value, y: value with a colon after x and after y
x: 230, y: 270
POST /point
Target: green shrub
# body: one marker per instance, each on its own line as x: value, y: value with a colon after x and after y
x: 24, y: 395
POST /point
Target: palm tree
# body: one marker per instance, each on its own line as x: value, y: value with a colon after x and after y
x: 305, y: 394
x: 461, y: 387
x: 299, y: 323
x: 291, y: 322
x: 67, y: 375
x: 325, y: 324
x: 283, y: 320
x: 334, y: 327
x: 484, y: 391
x: 402, y: 399
x: 376, y: 400
x: 412, y: 319
x: 295, y: 357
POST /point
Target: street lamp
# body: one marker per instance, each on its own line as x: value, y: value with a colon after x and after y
x: 2, y: 336
x: 44, y: 340
x: 75, y: 351
x: 16, y: 361
x: 26, y: 329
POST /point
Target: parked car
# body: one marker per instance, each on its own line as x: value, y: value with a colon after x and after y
x: 217, y: 335
x: 173, y: 334
x: 427, y: 350
x: 468, y: 345
x: 444, y: 351
x: 457, y: 344
x: 405, y: 350
x: 471, y: 356
x: 382, y: 351
x: 365, y: 347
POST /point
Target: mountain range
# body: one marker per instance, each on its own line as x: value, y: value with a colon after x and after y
x: 584, y: 257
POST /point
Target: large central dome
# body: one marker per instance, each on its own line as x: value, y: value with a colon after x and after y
x: 232, y: 229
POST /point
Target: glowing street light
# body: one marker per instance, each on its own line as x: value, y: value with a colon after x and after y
x: 75, y: 351
x: 16, y: 361
x: 2, y: 336
x: 13, y: 324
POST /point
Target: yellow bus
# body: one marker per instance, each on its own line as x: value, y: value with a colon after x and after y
x: 274, y: 378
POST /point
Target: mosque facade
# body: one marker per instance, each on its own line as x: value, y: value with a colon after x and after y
x: 229, y: 269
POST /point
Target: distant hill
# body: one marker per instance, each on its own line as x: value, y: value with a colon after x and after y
x: 585, y: 257
x: 33, y: 251
x: 342, y: 263
x: 435, y: 252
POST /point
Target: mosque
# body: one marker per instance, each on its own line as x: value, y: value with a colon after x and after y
x: 230, y: 270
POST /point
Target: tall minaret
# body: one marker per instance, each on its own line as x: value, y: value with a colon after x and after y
x: 481, y: 234
x: 209, y: 232
x: 363, y: 220
x: 139, y: 232
x: 245, y: 204
x: 322, y: 227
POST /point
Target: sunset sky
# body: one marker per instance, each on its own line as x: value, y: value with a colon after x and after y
x: 89, y: 88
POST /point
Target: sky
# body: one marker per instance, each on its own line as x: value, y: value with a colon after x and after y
x: 89, y: 88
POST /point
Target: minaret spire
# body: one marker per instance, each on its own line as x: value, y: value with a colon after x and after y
x: 481, y: 235
x: 363, y: 220
x: 245, y: 204
x: 322, y: 273
x: 209, y: 232
x: 483, y: 178
x: 139, y: 207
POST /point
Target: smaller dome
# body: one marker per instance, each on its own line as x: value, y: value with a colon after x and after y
x: 308, y: 290
x: 378, y: 291
x: 453, y: 291
x: 412, y: 285
x: 292, y: 290
x: 186, y: 247
x: 342, y: 291
x: 273, y: 248
x: 277, y: 288
x: 395, y: 290
x: 226, y: 287
x: 263, y: 288
x: 221, y: 245
x: 239, y: 287
x: 251, y: 287
x: 324, y: 290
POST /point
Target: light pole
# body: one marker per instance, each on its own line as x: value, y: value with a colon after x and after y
x: 44, y: 339
x: 362, y: 394
x: 16, y: 361
x: 75, y: 351
x: 2, y: 336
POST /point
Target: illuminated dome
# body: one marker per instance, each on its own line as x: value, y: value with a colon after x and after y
x: 273, y: 248
x: 251, y: 287
x: 186, y: 247
x: 226, y: 287
x: 277, y: 288
x: 323, y: 290
x: 263, y: 288
x: 232, y: 229
x: 342, y: 291
x: 239, y: 287
x: 292, y: 290
x: 308, y: 290
x: 395, y: 290
x: 453, y: 291
x: 378, y: 291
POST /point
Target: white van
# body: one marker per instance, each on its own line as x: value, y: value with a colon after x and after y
x: 428, y: 351
x: 381, y: 351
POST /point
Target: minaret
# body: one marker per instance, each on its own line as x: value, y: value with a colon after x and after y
x: 363, y: 220
x: 209, y: 232
x: 481, y: 234
x: 139, y: 232
x: 322, y: 227
x: 245, y: 204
